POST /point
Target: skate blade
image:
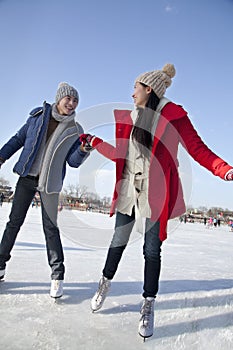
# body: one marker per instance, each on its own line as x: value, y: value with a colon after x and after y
x: 56, y: 299
x: 145, y: 337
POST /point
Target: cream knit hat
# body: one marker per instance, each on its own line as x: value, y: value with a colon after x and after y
x: 65, y: 89
x: 158, y: 80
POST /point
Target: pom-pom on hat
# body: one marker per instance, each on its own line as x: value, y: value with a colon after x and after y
x: 158, y: 80
x: 64, y: 89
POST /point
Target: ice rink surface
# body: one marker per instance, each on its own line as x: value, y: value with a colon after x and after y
x: 193, y: 311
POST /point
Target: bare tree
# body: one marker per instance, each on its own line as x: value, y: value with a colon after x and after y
x: 81, y: 191
x: 76, y: 191
x: 71, y: 190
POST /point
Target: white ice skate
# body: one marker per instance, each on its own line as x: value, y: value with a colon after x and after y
x: 56, y: 290
x: 100, y: 295
x: 146, y: 322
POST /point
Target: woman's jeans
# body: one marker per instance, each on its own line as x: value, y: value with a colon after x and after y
x: 151, y: 251
x: 23, y: 196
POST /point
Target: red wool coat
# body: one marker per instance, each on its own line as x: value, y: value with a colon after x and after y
x: 165, y: 189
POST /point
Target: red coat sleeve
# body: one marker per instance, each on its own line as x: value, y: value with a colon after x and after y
x: 199, y: 151
x: 107, y: 150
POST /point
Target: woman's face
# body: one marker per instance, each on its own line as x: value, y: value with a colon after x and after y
x: 141, y: 94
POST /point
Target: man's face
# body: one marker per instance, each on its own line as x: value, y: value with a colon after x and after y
x: 67, y: 105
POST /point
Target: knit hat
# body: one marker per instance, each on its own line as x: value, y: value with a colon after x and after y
x: 65, y: 89
x: 158, y: 80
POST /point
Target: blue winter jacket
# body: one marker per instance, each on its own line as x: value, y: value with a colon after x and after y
x: 30, y: 136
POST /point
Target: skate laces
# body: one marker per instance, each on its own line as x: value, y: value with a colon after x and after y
x: 56, y: 284
x: 103, y: 287
x: 147, y: 310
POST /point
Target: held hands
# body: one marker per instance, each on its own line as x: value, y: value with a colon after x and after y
x: 89, y: 142
x: 86, y: 142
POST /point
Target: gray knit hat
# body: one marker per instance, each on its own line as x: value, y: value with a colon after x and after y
x: 65, y: 89
x: 158, y: 80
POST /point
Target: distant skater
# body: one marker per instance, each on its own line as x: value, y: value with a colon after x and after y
x: 2, y: 197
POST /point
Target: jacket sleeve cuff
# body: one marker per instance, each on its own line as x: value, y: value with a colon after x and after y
x: 229, y: 175
x: 95, y: 141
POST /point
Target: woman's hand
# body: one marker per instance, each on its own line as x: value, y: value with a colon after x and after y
x: 229, y: 175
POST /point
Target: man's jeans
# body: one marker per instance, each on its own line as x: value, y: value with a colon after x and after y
x: 24, y: 193
x: 151, y: 251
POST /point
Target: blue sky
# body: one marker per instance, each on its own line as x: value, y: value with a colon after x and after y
x: 101, y: 46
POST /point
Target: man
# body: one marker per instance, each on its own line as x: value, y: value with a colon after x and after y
x: 49, y: 138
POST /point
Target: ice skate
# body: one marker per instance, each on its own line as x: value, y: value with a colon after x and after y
x: 99, y: 297
x: 56, y: 290
x: 146, y: 322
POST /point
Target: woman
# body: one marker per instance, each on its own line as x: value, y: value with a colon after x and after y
x: 147, y: 180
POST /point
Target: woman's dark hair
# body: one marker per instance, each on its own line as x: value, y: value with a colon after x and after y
x: 142, y: 129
